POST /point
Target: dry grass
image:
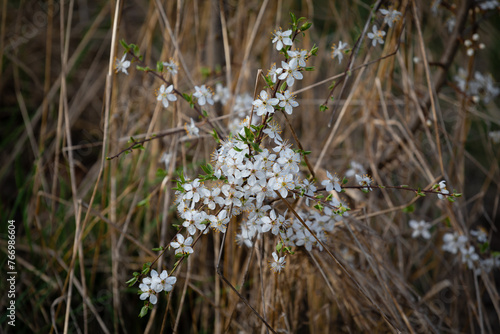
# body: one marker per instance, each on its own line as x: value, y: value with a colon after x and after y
x: 81, y: 228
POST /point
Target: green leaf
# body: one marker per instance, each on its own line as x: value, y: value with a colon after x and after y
x: 305, y: 26
x: 159, y: 66
x: 158, y: 249
x: 484, y: 247
x: 256, y: 147
x: 206, y: 72
x: 283, y: 86
x: 216, y: 136
x: 207, y: 169
x: 136, y: 50
x: 314, y: 50
x: 249, y: 134
x: 319, y: 206
x: 279, y: 246
x: 187, y: 97
x: 145, y: 69
x: 144, y: 202
x: 294, y: 18
x: 323, y: 108
x: 409, y: 209
x: 204, y: 112
x: 181, y: 176
x: 144, y: 311
x: 124, y: 44
x: 131, y: 281
x: 161, y: 173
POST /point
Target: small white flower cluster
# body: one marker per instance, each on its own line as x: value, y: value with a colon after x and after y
x: 246, y: 176
x: 156, y: 283
x: 481, y: 88
x: 489, y: 4
x: 203, y: 95
x: 390, y: 17
x: 441, y: 188
x: 473, y: 44
x: 454, y: 243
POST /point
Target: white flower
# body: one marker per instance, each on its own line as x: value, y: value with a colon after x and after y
x: 364, y: 180
x: 219, y: 222
x: 171, y: 67
x: 122, y: 65
x: 165, y: 158
x: 356, y: 168
x: 300, y: 56
x: 213, y: 198
x: 308, y: 189
x: 484, y: 86
x: 453, y: 242
x: 193, y: 190
x: 204, y: 95
x: 191, y: 129
x: 420, y: 228
x: 480, y: 235
x: 148, y: 292
x: 166, y: 95
x: 182, y: 245
x: 377, y: 35
x: 338, y: 51
x: 441, y: 188
x: 469, y: 256
x: 494, y: 136
x: 491, y: 4
x: 265, y: 104
x: 278, y: 264
x: 274, y: 72
x: 273, y: 130
x: 282, y: 38
x: 243, y: 238
x: 290, y: 72
x: 391, y: 16
x: 222, y: 94
x: 287, y: 100
x: 166, y: 282
x: 333, y: 182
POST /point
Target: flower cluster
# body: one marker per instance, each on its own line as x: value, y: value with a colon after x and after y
x: 254, y: 170
x: 480, y: 88
x: 455, y: 243
x: 390, y: 17
x: 156, y: 283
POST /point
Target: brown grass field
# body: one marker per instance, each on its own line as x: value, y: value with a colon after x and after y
x: 84, y: 223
